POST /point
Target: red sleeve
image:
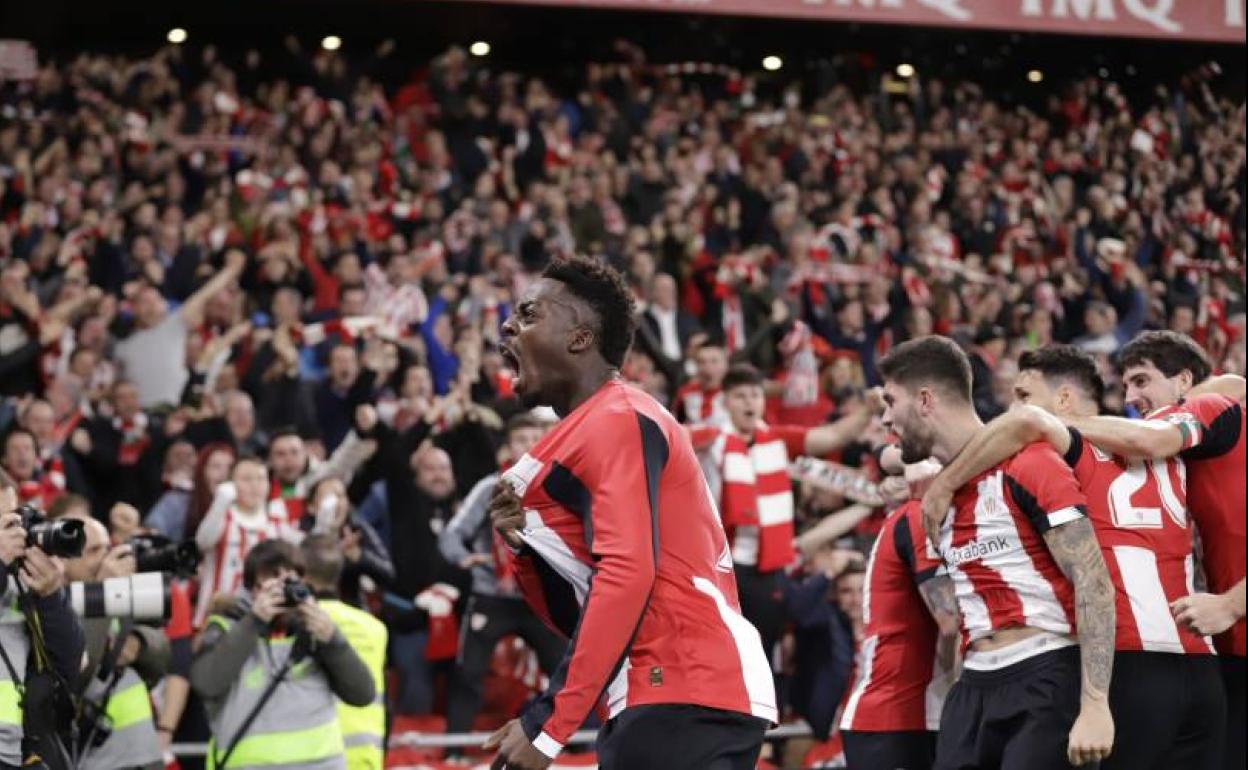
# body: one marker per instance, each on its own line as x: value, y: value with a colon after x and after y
x: 179, y: 625
x: 794, y: 437
x: 1044, y: 487
x: 1211, y: 425
x: 621, y: 477
x: 913, y: 547
x: 325, y: 283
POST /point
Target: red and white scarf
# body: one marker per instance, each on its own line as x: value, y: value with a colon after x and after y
x: 757, y: 497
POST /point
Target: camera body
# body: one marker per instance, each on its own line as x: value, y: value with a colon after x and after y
x: 294, y: 592
x: 157, y: 553
x: 64, y: 538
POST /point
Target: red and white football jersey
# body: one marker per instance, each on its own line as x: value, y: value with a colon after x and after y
x: 1214, y: 452
x: 624, y: 553
x: 899, y: 686
x: 993, y: 545
x: 1139, y: 510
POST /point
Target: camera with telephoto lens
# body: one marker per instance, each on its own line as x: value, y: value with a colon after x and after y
x: 295, y: 592
x: 63, y: 537
x: 157, y: 553
x: 142, y: 596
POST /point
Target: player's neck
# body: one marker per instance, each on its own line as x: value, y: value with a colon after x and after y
x: 581, y: 389
x: 956, y: 432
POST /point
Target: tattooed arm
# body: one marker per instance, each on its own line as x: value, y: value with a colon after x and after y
x: 942, y: 603
x: 1077, y: 553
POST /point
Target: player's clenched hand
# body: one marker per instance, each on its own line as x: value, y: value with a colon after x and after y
x: 1092, y: 735
x: 1207, y: 614
x: 515, y: 752
x: 506, y: 514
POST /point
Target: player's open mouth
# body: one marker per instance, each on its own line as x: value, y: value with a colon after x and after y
x: 510, y: 359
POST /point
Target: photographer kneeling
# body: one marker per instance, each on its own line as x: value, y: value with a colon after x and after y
x: 269, y: 667
x: 41, y: 643
x: 124, y: 660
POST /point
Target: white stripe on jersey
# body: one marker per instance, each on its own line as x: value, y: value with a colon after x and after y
x: 866, y: 584
x: 866, y: 665
x: 551, y: 548
x: 971, y: 606
x: 996, y: 527
x: 759, y: 685
x: 617, y: 691
x: 1142, y: 582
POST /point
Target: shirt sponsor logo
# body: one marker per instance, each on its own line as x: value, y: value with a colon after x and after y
x: 979, y: 549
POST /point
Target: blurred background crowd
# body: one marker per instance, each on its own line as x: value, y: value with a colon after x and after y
x: 304, y: 254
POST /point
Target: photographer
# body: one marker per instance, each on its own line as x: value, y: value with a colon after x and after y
x: 363, y: 729
x: 124, y: 660
x: 269, y: 667
x: 41, y: 641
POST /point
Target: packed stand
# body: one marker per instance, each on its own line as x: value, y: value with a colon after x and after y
x: 255, y: 300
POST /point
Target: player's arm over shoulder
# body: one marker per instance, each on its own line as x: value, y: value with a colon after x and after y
x: 1044, y: 487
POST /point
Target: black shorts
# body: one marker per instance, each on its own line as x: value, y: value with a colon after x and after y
x: 911, y: 750
x: 1169, y: 712
x: 1014, y: 718
x: 680, y: 737
x: 1233, y: 673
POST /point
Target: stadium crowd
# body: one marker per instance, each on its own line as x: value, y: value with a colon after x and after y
x: 253, y: 298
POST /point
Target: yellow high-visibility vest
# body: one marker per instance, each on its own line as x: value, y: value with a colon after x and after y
x: 363, y: 727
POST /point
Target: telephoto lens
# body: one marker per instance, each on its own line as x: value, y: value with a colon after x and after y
x: 294, y: 592
x: 64, y: 538
x: 142, y: 596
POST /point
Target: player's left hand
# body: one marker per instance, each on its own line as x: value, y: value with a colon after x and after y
x: 936, y: 503
x: 515, y: 752
x: 1207, y: 614
x: 1092, y: 735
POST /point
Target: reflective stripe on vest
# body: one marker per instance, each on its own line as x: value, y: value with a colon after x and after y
x: 17, y: 647
x: 134, y: 741
x: 363, y: 727
x: 297, y: 725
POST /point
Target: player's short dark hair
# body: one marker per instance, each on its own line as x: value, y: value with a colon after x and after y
x: 269, y: 556
x: 603, y: 289
x: 1169, y: 351
x: 1067, y: 363
x: 742, y: 374
x: 931, y: 360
